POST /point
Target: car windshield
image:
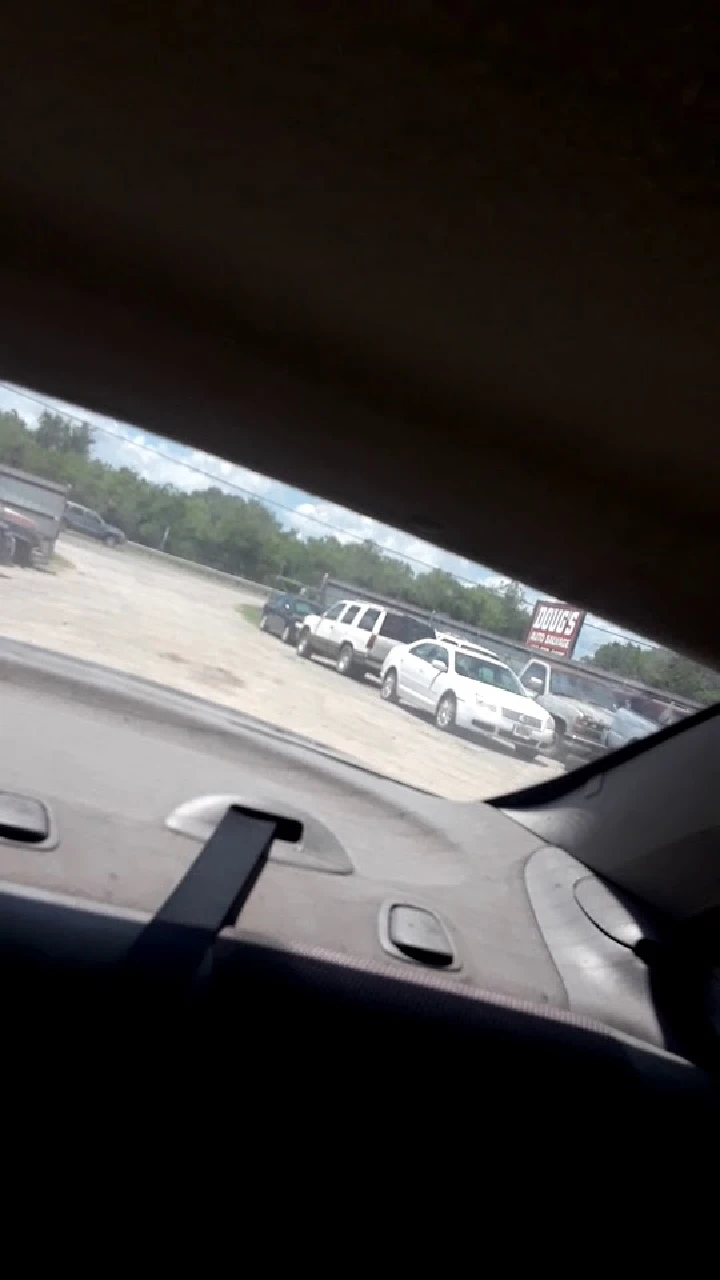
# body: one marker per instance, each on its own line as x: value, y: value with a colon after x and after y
x: 224, y: 638
x: 486, y: 672
x: 178, y: 601
x: 582, y: 688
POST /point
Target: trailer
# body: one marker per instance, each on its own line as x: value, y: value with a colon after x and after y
x: 34, y: 502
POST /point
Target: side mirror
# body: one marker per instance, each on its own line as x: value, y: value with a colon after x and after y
x: 438, y: 665
x: 534, y: 685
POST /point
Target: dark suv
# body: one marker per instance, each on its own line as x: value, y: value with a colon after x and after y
x: 83, y: 520
x: 284, y: 613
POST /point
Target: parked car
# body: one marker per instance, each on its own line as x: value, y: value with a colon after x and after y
x: 20, y: 537
x: 581, y: 707
x: 627, y: 726
x: 467, y: 689
x: 359, y: 635
x: 83, y: 520
x: 283, y: 615
x: 639, y: 718
x: 35, y: 499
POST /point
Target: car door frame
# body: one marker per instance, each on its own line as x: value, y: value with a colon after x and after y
x: 323, y: 640
x: 542, y: 693
x: 344, y: 627
x: 429, y: 693
x: 362, y: 635
x: 409, y: 689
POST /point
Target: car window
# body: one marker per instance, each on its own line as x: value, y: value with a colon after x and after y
x: 487, y: 672
x: 404, y: 629
x: 416, y: 630
x: 335, y: 611
x: 535, y: 671
x: 368, y: 619
x: 582, y: 688
x: 181, y: 608
x: 424, y: 651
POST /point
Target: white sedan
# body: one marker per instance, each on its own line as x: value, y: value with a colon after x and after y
x: 467, y: 689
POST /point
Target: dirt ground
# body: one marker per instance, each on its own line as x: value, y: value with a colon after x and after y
x: 140, y: 616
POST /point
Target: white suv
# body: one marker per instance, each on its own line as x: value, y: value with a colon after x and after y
x: 466, y: 688
x: 358, y: 635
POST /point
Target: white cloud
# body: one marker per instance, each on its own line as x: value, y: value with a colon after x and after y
x: 314, y: 518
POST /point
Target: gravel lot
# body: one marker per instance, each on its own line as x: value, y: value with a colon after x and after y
x: 156, y: 621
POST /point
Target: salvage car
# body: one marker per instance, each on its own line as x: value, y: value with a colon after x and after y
x: 283, y: 615
x: 466, y: 689
x: 82, y: 520
x: 582, y: 708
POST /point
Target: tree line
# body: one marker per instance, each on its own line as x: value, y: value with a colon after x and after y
x: 242, y: 536
x: 660, y: 668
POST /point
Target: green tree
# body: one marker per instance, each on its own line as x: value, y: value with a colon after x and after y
x: 62, y: 436
x: 661, y: 669
x: 240, y: 535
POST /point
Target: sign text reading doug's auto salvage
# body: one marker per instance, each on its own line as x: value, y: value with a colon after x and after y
x: 555, y: 628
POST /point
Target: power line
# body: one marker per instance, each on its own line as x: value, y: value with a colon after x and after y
x: 222, y: 480
x: 267, y: 502
x: 231, y: 484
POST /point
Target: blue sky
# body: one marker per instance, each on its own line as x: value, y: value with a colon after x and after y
x: 162, y: 461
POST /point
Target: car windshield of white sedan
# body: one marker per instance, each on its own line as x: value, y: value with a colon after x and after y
x: 472, y: 668
x: 138, y: 565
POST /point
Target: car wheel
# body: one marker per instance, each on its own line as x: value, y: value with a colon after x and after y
x: 287, y: 634
x: 304, y: 647
x: 344, y: 661
x: 23, y: 554
x: 525, y: 753
x: 388, y: 688
x: 445, y: 713
x: 7, y: 548
x: 263, y: 622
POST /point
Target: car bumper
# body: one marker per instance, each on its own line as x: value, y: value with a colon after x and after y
x: 588, y: 748
x: 473, y: 718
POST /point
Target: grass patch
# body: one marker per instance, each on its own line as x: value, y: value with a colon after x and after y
x: 250, y: 612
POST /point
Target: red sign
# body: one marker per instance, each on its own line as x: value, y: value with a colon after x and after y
x: 555, y: 628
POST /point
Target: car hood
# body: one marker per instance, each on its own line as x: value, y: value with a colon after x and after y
x: 508, y: 701
x: 631, y: 722
x: 577, y: 708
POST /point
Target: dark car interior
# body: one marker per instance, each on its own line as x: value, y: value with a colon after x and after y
x: 454, y: 266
